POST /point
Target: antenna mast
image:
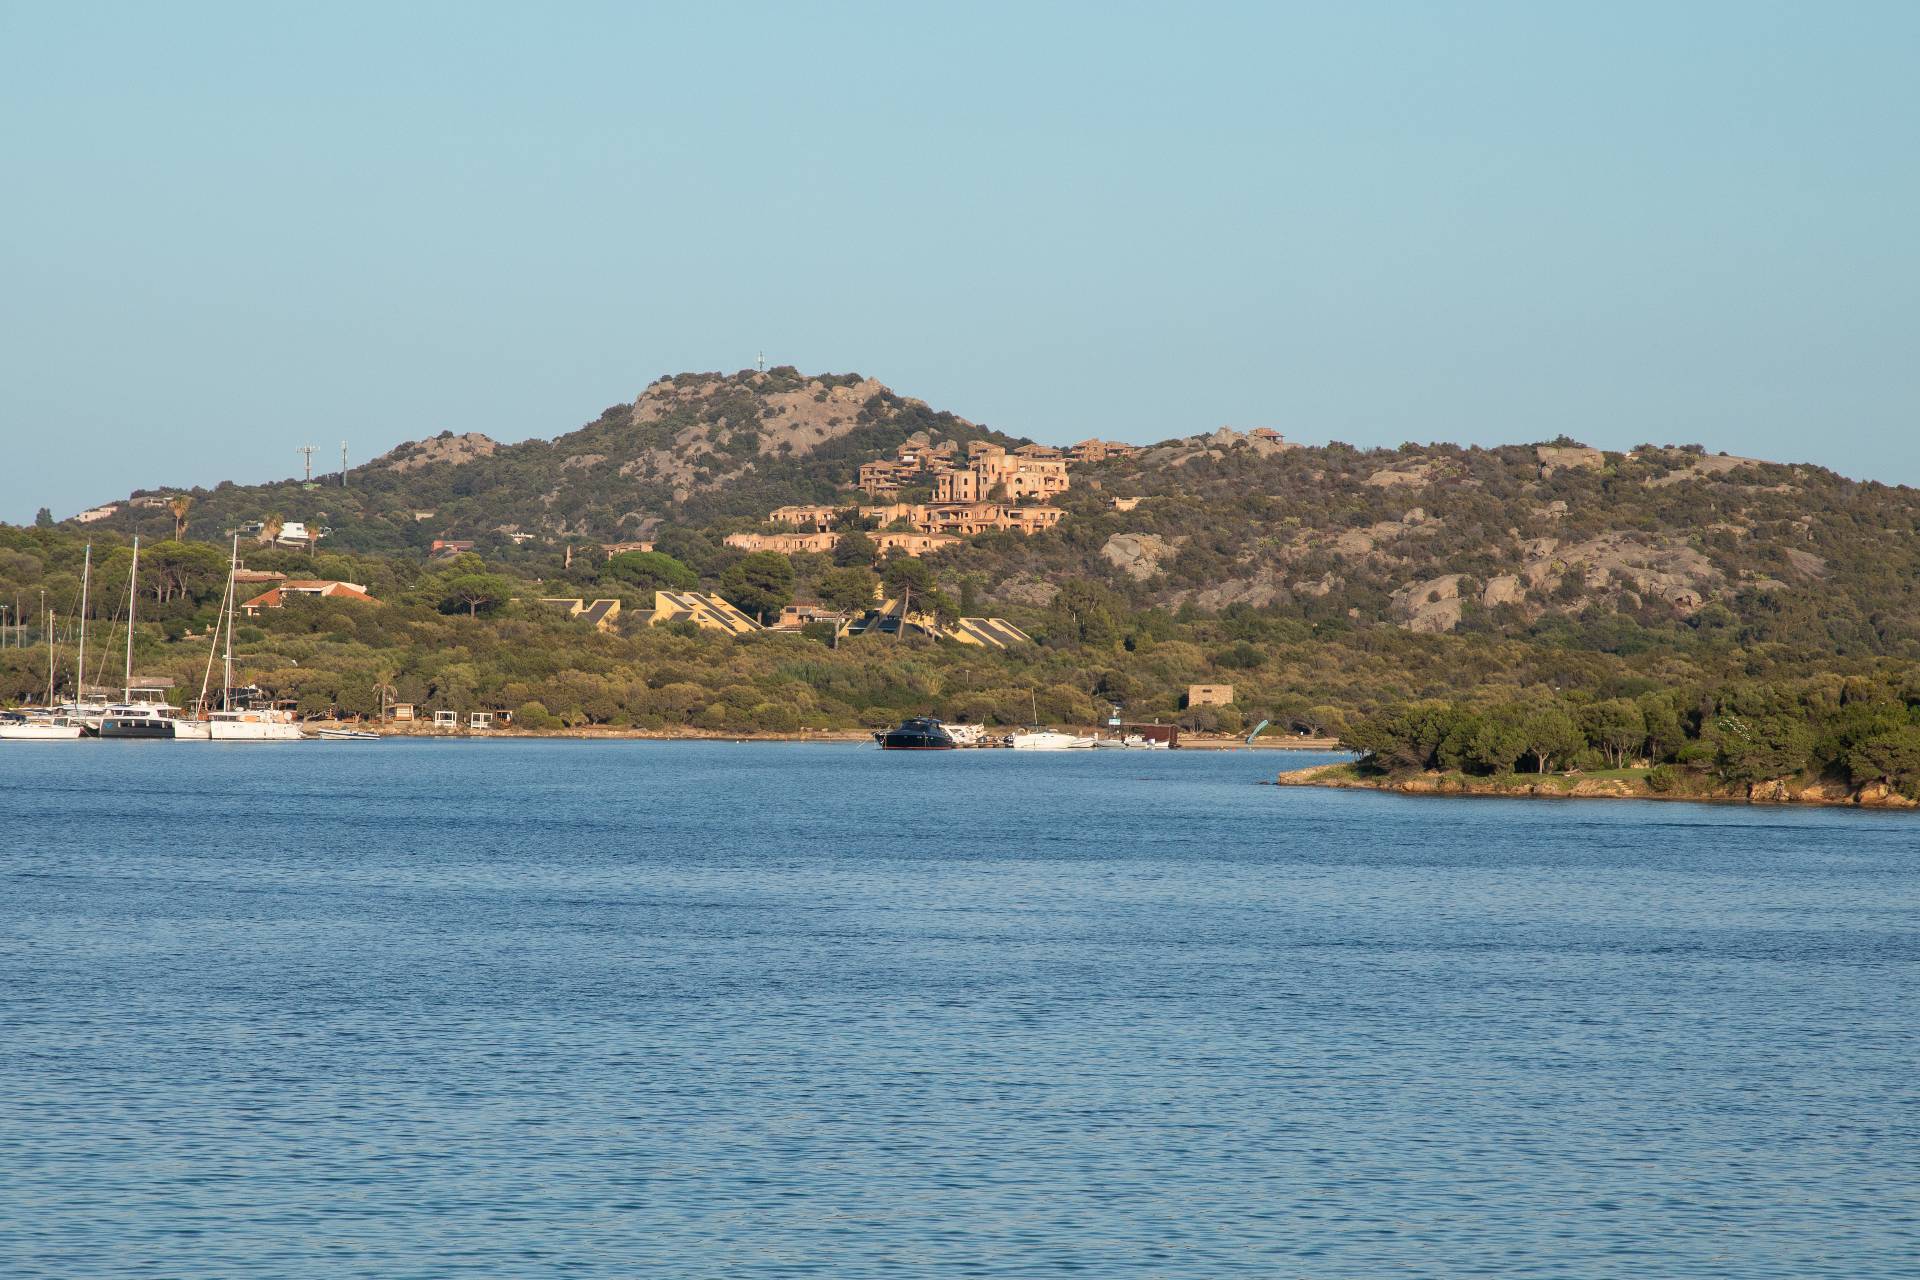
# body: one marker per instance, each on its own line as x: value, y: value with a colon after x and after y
x: 343, y: 464
x: 761, y: 362
x: 309, y: 451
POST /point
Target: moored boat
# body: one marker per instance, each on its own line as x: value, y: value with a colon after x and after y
x: 136, y: 720
x: 44, y: 727
x: 1048, y: 740
x: 922, y: 733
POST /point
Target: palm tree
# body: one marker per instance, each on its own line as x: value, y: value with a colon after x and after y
x: 269, y: 530
x: 181, y: 504
x: 383, y: 687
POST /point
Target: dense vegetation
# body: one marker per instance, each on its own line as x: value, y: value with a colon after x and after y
x: 1857, y: 731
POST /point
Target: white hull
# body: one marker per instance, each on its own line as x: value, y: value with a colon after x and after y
x: 40, y: 732
x: 1130, y: 744
x: 253, y: 731
x: 1048, y: 742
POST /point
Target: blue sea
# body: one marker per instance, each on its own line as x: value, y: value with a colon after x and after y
x: 546, y: 1008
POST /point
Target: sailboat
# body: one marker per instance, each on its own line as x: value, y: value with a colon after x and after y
x: 1036, y: 738
x: 43, y: 726
x: 244, y: 723
x: 147, y: 716
x: 83, y: 711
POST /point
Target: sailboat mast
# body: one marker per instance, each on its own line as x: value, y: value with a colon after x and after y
x: 49, y: 659
x: 133, y: 579
x: 226, y: 681
x: 80, y: 663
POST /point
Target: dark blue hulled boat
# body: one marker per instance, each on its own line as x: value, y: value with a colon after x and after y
x: 922, y: 733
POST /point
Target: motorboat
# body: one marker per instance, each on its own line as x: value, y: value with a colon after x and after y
x: 1048, y: 740
x: 347, y: 735
x: 43, y: 726
x: 253, y: 724
x: 1131, y: 742
x: 922, y: 733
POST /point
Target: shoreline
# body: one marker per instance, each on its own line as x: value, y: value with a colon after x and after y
x: 1611, y: 785
x: 608, y: 733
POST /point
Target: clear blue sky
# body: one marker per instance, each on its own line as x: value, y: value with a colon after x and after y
x: 227, y: 230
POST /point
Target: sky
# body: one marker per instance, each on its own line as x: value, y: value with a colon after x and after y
x: 228, y: 230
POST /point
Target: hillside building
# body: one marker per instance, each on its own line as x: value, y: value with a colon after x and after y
x: 600, y: 615
x: 914, y: 544
x: 1101, y: 450
x: 312, y: 588
x: 704, y: 610
x: 787, y: 544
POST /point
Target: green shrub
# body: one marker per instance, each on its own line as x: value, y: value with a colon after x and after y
x: 1666, y: 779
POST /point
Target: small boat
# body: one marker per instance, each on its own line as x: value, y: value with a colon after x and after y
x: 1130, y: 742
x: 1048, y: 740
x: 922, y: 733
x: 347, y: 735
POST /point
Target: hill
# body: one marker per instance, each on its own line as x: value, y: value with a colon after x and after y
x: 691, y: 449
x: 1554, y: 541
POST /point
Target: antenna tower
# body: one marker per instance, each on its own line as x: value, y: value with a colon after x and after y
x: 309, y: 451
x: 761, y: 363
x: 343, y: 464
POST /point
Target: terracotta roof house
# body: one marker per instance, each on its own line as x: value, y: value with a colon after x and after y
x: 797, y: 615
x: 276, y: 597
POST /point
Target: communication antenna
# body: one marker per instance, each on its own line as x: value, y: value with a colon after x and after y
x: 761, y: 363
x: 309, y: 451
x: 343, y: 464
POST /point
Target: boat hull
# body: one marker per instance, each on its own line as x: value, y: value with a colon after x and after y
x: 1049, y: 742
x: 913, y: 742
x: 253, y: 731
x: 919, y: 734
x: 132, y: 727
x: 40, y: 732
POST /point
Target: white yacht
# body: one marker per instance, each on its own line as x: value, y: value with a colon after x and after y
x: 253, y: 724
x: 1047, y: 740
x: 35, y: 724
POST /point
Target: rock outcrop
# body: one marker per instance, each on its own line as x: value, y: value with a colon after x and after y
x: 445, y: 447
x: 1138, y: 555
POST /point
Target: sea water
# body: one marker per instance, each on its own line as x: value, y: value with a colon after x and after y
x: 544, y: 1008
